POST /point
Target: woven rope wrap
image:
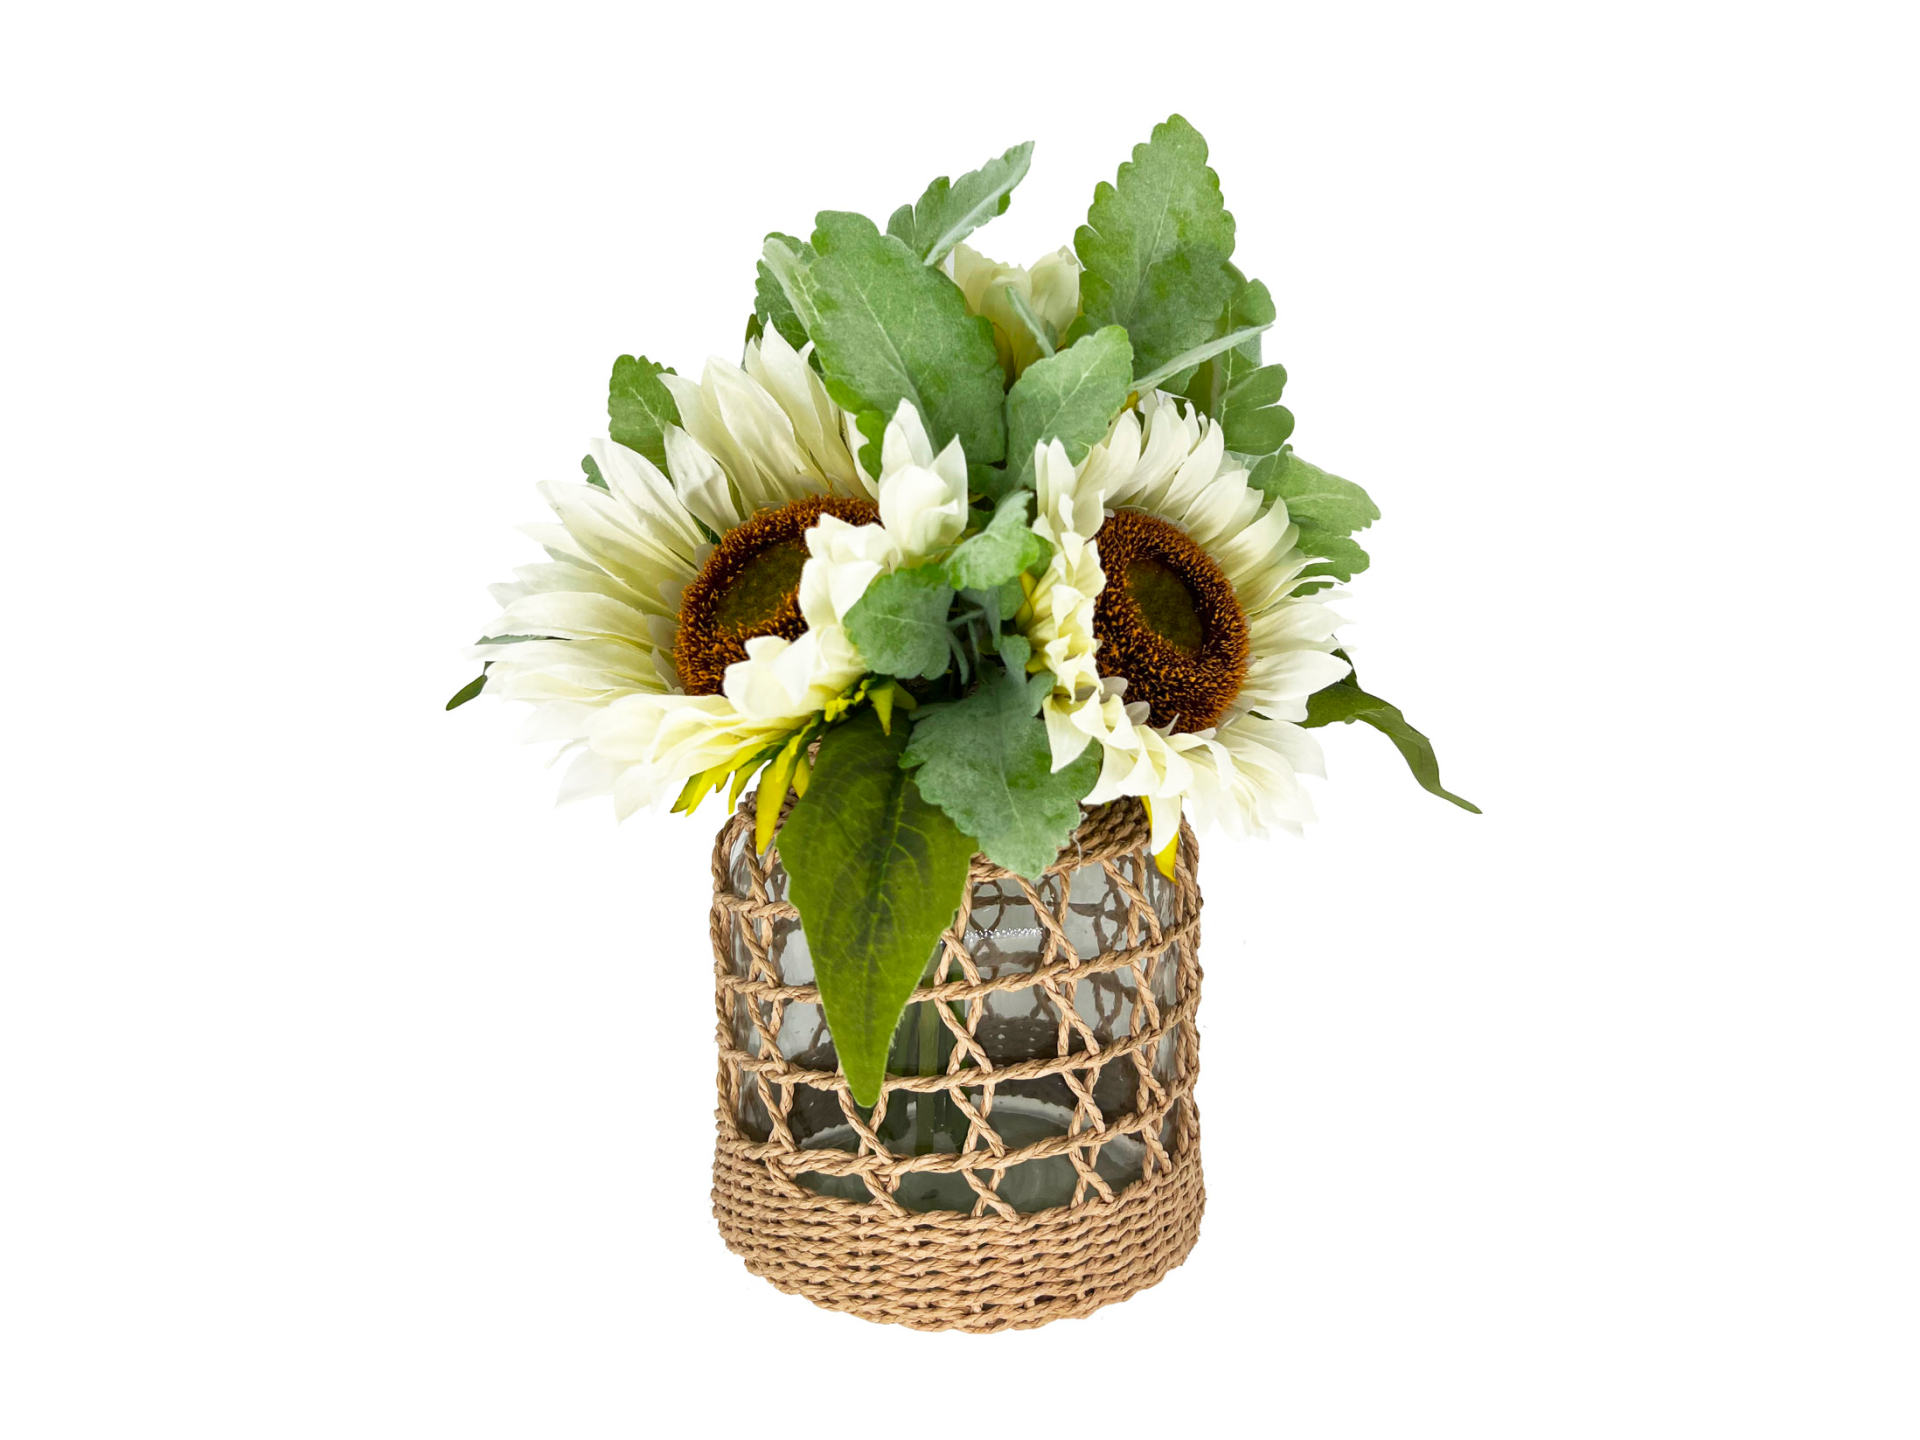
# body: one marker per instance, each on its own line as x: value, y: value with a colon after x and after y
x: 994, y: 1268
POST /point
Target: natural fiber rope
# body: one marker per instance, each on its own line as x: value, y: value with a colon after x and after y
x: 995, y: 1268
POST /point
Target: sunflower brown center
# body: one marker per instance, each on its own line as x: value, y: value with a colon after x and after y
x: 750, y: 586
x: 1168, y: 621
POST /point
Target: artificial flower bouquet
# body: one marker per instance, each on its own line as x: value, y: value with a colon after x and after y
x: 956, y: 550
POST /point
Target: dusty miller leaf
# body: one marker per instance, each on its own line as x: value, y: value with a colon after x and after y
x: 1004, y: 548
x: 639, y: 407
x: 771, y: 307
x: 949, y: 212
x: 1190, y: 360
x: 1315, y: 497
x: 888, y: 328
x: 1156, y: 245
x: 1327, y: 509
x: 786, y: 262
x: 1241, y: 394
x: 900, y: 624
x: 985, y: 760
x: 1071, y: 397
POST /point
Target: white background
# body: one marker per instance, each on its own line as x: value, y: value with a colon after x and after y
x: 349, y: 1088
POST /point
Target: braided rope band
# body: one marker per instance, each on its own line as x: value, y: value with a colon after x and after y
x: 1092, y: 1021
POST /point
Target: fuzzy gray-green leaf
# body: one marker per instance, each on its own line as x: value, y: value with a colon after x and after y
x: 1071, y: 397
x: 1191, y: 359
x: 1045, y: 337
x: 1241, y: 394
x: 900, y: 624
x: 771, y: 307
x: 786, y: 263
x: 1004, y: 548
x: 639, y: 407
x: 950, y: 211
x: 985, y: 760
x: 1156, y: 245
x: 888, y: 328
x: 1315, y: 497
x: 877, y: 873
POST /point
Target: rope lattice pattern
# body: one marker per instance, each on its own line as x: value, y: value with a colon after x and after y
x: 1067, y: 1171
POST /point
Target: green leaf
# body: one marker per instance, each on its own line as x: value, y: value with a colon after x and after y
x: 900, y: 624
x: 877, y: 874
x: 786, y: 261
x: 1346, y: 702
x: 1000, y: 551
x: 888, y: 328
x: 991, y: 482
x: 1071, y: 397
x: 639, y: 407
x: 1327, y: 509
x: 1155, y: 247
x: 771, y: 307
x: 985, y: 760
x: 1234, y: 388
x: 1340, y: 555
x: 1315, y: 497
x: 947, y: 213
x: 467, y: 691
x: 1044, y: 335
x: 592, y: 467
x: 1191, y: 359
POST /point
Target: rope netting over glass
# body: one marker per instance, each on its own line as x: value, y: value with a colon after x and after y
x: 1034, y: 1152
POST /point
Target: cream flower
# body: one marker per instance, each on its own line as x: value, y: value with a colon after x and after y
x: 630, y: 642
x: 1180, y: 648
x: 756, y: 435
x: 1051, y: 290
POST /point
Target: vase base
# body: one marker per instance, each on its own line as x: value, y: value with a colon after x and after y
x: 944, y: 1270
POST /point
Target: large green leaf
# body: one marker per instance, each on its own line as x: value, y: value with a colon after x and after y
x: 949, y: 212
x: 1071, y: 397
x: 639, y: 407
x: 900, y: 624
x: 1240, y: 393
x: 1003, y: 548
x: 1155, y: 247
x: 877, y: 874
x: 888, y: 328
x: 985, y: 760
x: 771, y: 307
x: 1346, y: 702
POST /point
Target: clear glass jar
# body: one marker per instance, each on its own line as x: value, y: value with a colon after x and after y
x: 1061, y: 1035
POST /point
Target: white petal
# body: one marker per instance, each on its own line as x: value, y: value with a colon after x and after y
x: 701, y: 483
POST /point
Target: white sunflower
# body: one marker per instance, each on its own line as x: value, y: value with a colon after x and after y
x: 1168, y: 620
x: 1051, y: 290
x: 668, y: 661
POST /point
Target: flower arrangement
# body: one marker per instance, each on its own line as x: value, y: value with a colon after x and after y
x: 955, y: 550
